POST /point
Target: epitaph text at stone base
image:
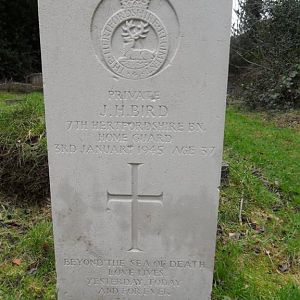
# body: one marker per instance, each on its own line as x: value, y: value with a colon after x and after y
x: 135, y: 101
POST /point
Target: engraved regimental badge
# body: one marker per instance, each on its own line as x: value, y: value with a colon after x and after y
x: 135, y: 39
x: 143, y: 47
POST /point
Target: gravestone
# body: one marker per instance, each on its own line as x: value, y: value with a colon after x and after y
x: 135, y: 99
x: 35, y: 79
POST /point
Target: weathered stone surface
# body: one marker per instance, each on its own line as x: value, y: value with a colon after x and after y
x: 35, y: 79
x: 225, y: 174
x: 135, y: 99
x: 14, y: 101
x: 19, y: 87
x: 16, y: 87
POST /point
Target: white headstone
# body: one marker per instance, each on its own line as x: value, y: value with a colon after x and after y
x: 135, y: 99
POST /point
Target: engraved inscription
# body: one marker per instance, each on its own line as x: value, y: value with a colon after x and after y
x: 136, y: 123
x: 134, y: 199
x: 135, y: 277
x: 138, y: 111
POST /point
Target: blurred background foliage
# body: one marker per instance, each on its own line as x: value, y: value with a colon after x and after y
x: 19, y: 39
x: 265, y: 53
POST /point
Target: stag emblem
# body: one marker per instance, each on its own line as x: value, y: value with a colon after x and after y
x: 134, y: 41
x: 134, y: 31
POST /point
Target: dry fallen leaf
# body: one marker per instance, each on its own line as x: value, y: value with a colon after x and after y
x: 283, y: 268
x: 32, y: 271
x: 13, y: 223
x: 16, y: 261
x: 46, y: 247
x: 234, y: 235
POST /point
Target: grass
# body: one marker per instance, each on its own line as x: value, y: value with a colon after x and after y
x: 26, y: 257
x: 23, y: 149
x: 258, y: 255
x: 258, y: 246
